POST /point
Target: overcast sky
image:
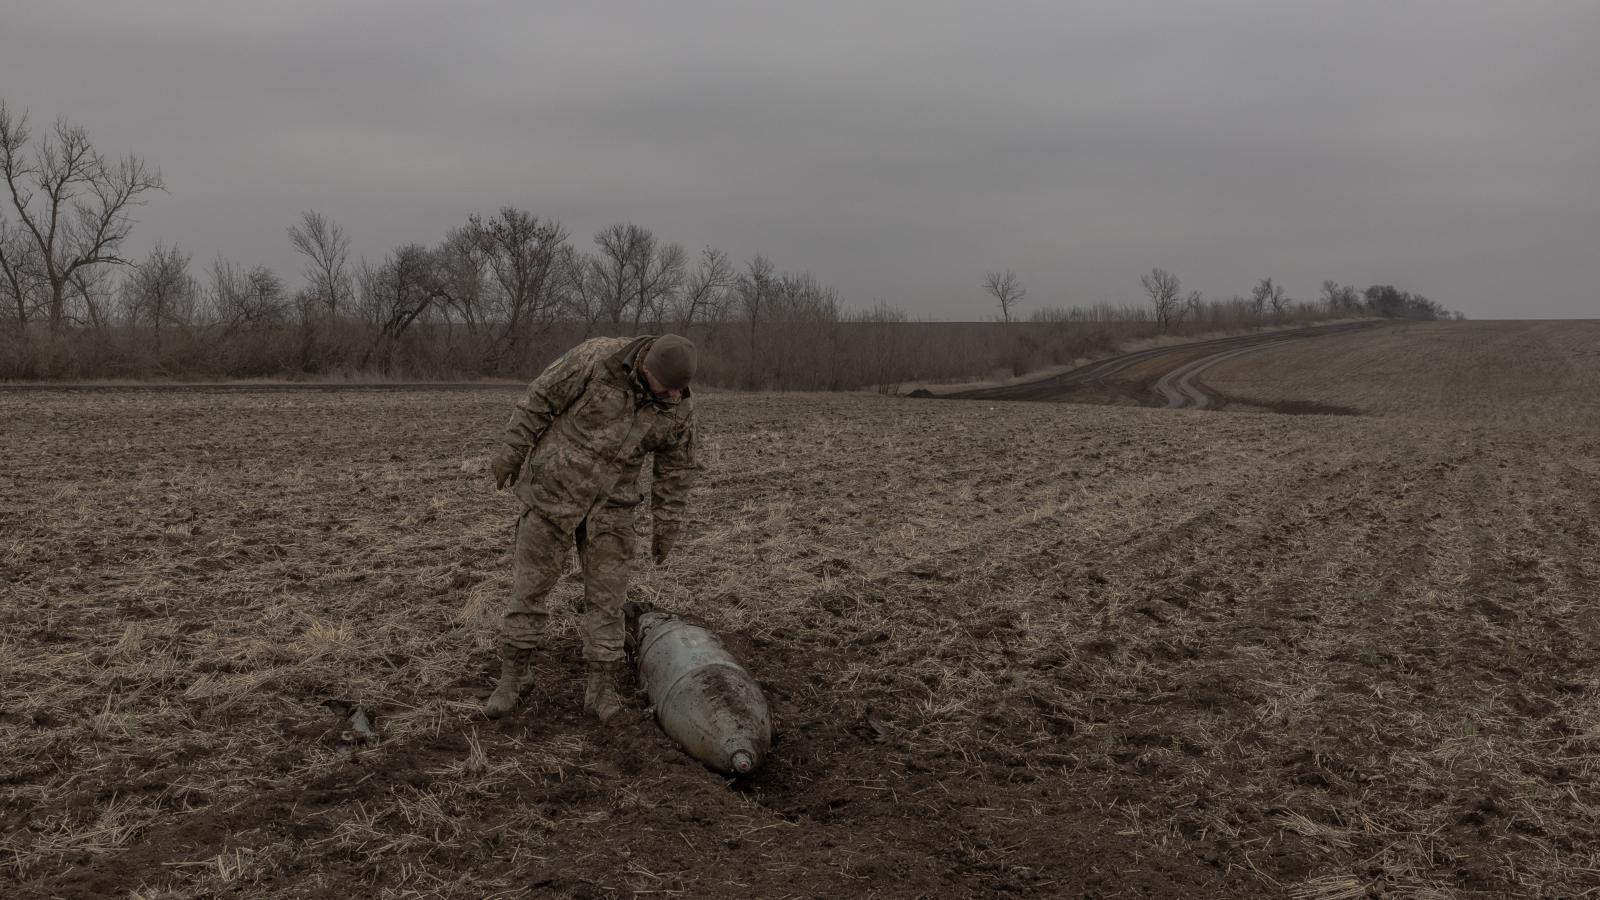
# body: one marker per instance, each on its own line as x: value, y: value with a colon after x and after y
x: 895, y: 150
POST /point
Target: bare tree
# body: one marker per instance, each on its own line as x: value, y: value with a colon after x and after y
x: 657, y: 276
x: 526, y: 260
x: 705, y: 291
x: 161, y: 293
x: 91, y: 293
x: 753, y: 291
x: 1268, y: 294
x: 888, y: 349
x: 21, y: 277
x: 806, y: 313
x: 1349, y: 299
x: 633, y: 274
x: 329, y: 289
x: 308, y: 315
x: 1163, y: 287
x: 394, y: 295
x: 265, y: 304
x: 801, y: 297
x: 1330, y: 295
x: 327, y: 251
x: 1193, y: 307
x: 460, y: 279
x: 245, y: 299
x: 1006, y: 288
x: 580, y: 287
x: 72, y: 203
x: 1340, y: 298
x: 625, y: 250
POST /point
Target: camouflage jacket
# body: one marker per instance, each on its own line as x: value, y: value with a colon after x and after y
x: 584, y: 429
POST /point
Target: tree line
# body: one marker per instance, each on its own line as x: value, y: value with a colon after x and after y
x: 497, y: 296
x: 500, y: 295
x: 1171, y: 308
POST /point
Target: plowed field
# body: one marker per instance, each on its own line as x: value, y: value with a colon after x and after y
x: 1531, y: 375
x: 1013, y: 649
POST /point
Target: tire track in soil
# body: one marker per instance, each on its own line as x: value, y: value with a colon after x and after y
x: 1182, y: 392
x: 992, y: 622
x: 1080, y: 527
x: 1181, y: 387
x: 1268, y: 633
x: 976, y: 628
x: 1505, y: 721
x: 1157, y: 623
x: 1361, y: 525
x: 1386, y: 691
x: 1352, y: 738
x: 1365, y: 664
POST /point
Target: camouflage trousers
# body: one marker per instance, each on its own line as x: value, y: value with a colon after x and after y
x: 605, y: 542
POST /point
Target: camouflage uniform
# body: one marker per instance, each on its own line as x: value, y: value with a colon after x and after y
x: 582, y: 433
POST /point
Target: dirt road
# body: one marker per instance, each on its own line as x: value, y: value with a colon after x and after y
x: 1181, y: 386
x: 1161, y: 375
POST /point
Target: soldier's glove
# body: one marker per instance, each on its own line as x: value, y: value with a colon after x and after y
x: 504, y: 466
x: 659, y: 548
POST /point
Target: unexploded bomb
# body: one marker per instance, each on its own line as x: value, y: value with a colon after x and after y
x: 702, y: 697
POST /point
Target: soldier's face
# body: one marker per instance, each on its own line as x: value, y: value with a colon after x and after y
x: 661, y: 391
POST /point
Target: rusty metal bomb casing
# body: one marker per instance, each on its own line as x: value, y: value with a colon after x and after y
x: 703, y: 698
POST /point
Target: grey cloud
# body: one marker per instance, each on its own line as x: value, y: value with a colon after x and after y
x: 897, y: 150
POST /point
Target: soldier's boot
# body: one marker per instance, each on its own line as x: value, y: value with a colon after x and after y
x: 515, y: 677
x: 600, y: 691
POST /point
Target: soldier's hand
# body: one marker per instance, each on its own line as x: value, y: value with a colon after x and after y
x: 504, y: 466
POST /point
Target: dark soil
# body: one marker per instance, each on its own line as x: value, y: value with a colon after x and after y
x: 1012, y: 650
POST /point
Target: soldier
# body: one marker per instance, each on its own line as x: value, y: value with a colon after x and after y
x: 572, y: 454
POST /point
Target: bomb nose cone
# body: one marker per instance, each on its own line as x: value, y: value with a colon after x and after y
x: 703, y: 698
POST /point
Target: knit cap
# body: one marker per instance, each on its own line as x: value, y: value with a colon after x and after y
x: 671, y: 360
